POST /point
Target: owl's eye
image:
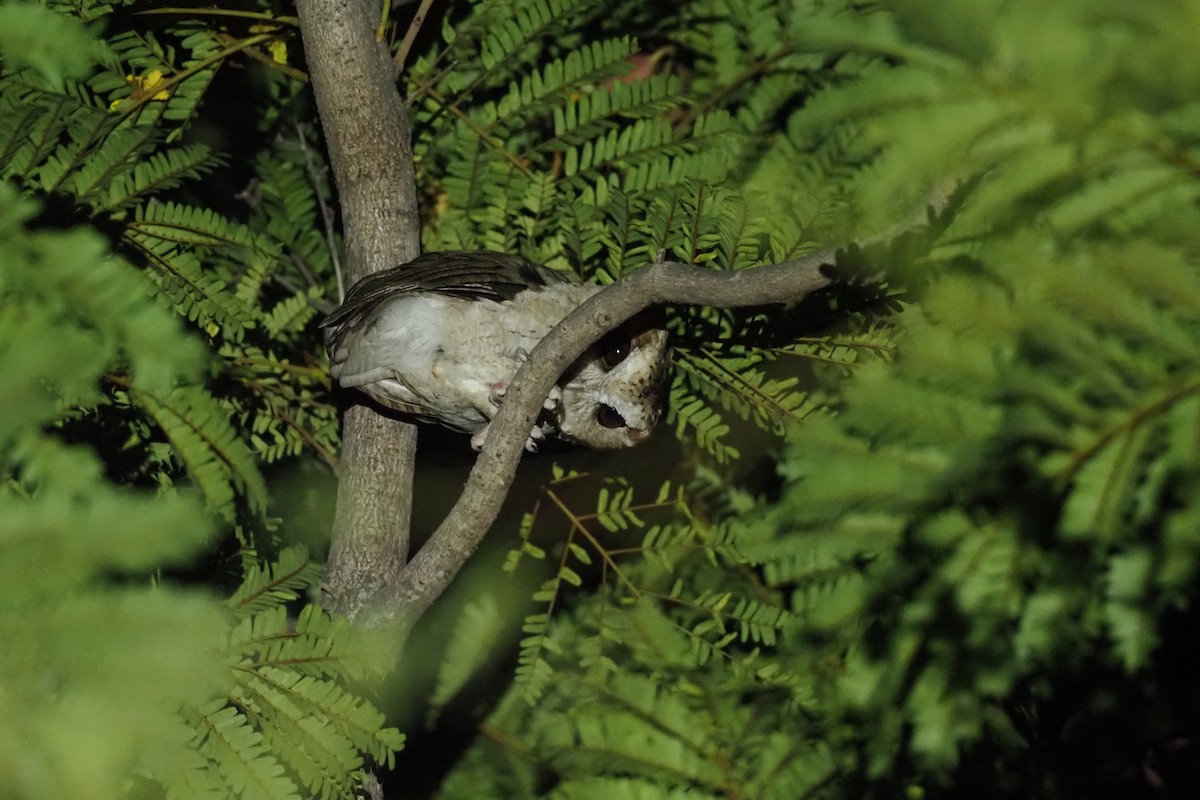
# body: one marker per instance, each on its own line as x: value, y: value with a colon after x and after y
x: 609, y: 417
x: 613, y: 349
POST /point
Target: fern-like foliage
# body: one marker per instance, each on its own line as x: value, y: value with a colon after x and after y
x: 980, y: 553
x: 1070, y: 383
x: 977, y: 554
x: 108, y: 145
x: 94, y: 656
x: 585, y: 163
x: 105, y: 344
x: 643, y: 604
x: 288, y: 723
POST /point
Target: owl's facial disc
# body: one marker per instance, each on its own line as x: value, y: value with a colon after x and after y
x: 613, y: 395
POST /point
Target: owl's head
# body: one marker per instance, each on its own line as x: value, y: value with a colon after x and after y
x: 613, y: 395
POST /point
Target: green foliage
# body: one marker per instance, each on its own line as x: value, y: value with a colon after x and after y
x: 92, y: 667
x: 1023, y: 473
x: 165, y: 356
x: 574, y: 163
x: 106, y: 145
x: 288, y: 720
x: 980, y: 567
x: 55, y: 47
x: 977, y: 564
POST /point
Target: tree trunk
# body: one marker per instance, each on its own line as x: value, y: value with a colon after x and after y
x: 366, y: 131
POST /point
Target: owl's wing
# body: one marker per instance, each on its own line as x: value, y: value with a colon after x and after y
x: 469, y: 275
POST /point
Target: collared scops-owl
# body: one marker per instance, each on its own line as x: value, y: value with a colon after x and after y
x: 439, y: 339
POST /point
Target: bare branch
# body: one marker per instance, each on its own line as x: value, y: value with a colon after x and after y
x: 439, y: 560
x: 410, y: 36
x: 317, y: 182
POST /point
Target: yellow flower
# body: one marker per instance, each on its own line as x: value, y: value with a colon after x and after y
x: 278, y: 50
x: 145, y: 84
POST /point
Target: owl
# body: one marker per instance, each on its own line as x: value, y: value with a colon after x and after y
x: 439, y: 339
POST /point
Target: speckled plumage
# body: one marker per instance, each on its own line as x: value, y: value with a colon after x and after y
x: 439, y: 339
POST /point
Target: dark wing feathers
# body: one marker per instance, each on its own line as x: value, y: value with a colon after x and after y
x: 468, y: 274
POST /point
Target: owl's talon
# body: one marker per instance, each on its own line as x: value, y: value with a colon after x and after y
x: 551, y: 402
x: 498, y: 390
x: 479, y: 437
x: 536, y: 436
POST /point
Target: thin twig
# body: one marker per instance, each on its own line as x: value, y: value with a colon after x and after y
x: 577, y: 524
x: 327, y: 218
x: 484, y: 136
x: 221, y: 12
x: 383, y: 19
x: 410, y: 35
x: 424, y: 87
x: 717, y: 97
x: 322, y: 306
x: 269, y: 60
x: 328, y: 457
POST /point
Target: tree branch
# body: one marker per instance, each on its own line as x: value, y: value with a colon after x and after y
x: 366, y: 131
x: 439, y: 560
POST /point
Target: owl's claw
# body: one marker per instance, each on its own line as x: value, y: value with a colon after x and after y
x: 497, y: 393
x: 479, y: 437
x: 498, y: 390
x: 536, y: 436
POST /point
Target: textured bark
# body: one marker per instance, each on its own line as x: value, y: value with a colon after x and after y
x: 366, y: 131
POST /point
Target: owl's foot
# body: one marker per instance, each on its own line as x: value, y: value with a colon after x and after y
x: 536, y: 437
x: 479, y: 437
x: 498, y: 390
x: 497, y: 393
